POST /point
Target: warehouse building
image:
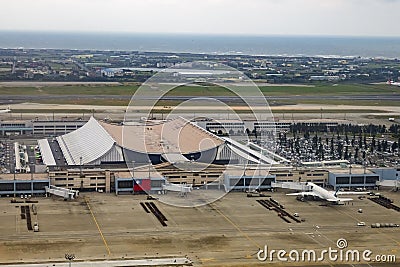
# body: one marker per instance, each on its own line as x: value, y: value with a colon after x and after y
x: 353, y: 178
x: 39, y: 128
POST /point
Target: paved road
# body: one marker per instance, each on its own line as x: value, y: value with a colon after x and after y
x: 15, y: 99
x: 146, y: 262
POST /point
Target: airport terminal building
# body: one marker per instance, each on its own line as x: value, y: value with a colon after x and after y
x: 100, y: 156
x: 95, y: 156
x: 97, y: 143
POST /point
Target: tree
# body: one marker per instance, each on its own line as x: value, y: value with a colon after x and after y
x: 394, y: 146
x: 321, y: 151
x: 340, y: 149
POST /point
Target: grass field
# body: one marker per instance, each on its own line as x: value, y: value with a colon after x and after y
x: 70, y: 90
x: 329, y: 89
x: 120, y: 102
x: 159, y: 110
x: 318, y: 89
x: 321, y: 89
x: 367, y: 103
x: 78, y: 111
x: 91, y: 102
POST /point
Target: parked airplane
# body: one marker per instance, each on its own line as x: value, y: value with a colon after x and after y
x: 5, y: 110
x: 330, y: 196
x: 390, y: 82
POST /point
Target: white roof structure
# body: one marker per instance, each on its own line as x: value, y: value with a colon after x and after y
x: 98, y: 142
x: 389, y: 183
x: 175, y: 141
x: 174, y: 157
x: 247, y: 152
x: 160, y: 137
x: 89, y: 143
x: 47, y: 155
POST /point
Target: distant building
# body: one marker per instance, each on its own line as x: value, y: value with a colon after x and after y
x: 325, y: 78
x: 272, y: 126
x: 108, y: 73
x: 40, y: 128
x: 164, y: 64
x: 353, y: 178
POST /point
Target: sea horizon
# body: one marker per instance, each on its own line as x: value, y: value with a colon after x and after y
x: 224, y: 44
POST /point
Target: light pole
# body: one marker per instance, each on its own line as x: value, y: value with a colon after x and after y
x: 350, y: 166
x: 80, y: 166
x: 70, y: 258
x: 149, y: 168
x: 133, y: 169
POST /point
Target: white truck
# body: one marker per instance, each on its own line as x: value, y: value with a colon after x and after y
x: 36, y: 227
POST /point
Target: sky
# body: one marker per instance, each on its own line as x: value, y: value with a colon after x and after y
x: 238, y: 17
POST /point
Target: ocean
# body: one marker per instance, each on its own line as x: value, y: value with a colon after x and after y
x: 386, y: 47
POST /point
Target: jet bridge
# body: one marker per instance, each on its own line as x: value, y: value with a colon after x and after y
x: 181, y: 188
x: 67, y: 194
x: 291, y: 185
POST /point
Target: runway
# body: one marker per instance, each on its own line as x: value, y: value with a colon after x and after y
x: 16, y: 99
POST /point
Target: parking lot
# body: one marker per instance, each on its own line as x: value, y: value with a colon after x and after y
x: 6, y: 157
x: 227, y: 232
x: 362, y: 150
x: 7, y: 154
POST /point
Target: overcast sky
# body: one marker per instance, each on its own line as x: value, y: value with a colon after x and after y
x: 261, y: 17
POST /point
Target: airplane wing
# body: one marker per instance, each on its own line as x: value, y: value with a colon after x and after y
x: 351, y: 193
x: 340, y: 199
x: 303, y: 194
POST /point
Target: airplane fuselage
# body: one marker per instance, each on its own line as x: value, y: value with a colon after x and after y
x: 323, y: 193
x: 2, y: 111
x: 319, y: 192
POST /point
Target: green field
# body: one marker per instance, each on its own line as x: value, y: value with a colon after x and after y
x: 70, y: 90
x: 321, y: 89
x: 371, y: 103
x: 119, y: 102
x: 239, y: 111
x: 78, y: 111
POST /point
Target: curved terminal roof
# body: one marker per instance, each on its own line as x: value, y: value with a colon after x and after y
x: 90, y: 142
x: 171, y: 137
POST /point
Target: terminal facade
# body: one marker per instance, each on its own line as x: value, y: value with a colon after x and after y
x: 93, y: 156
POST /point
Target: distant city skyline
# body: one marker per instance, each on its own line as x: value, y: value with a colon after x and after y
x: 251, y: 17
